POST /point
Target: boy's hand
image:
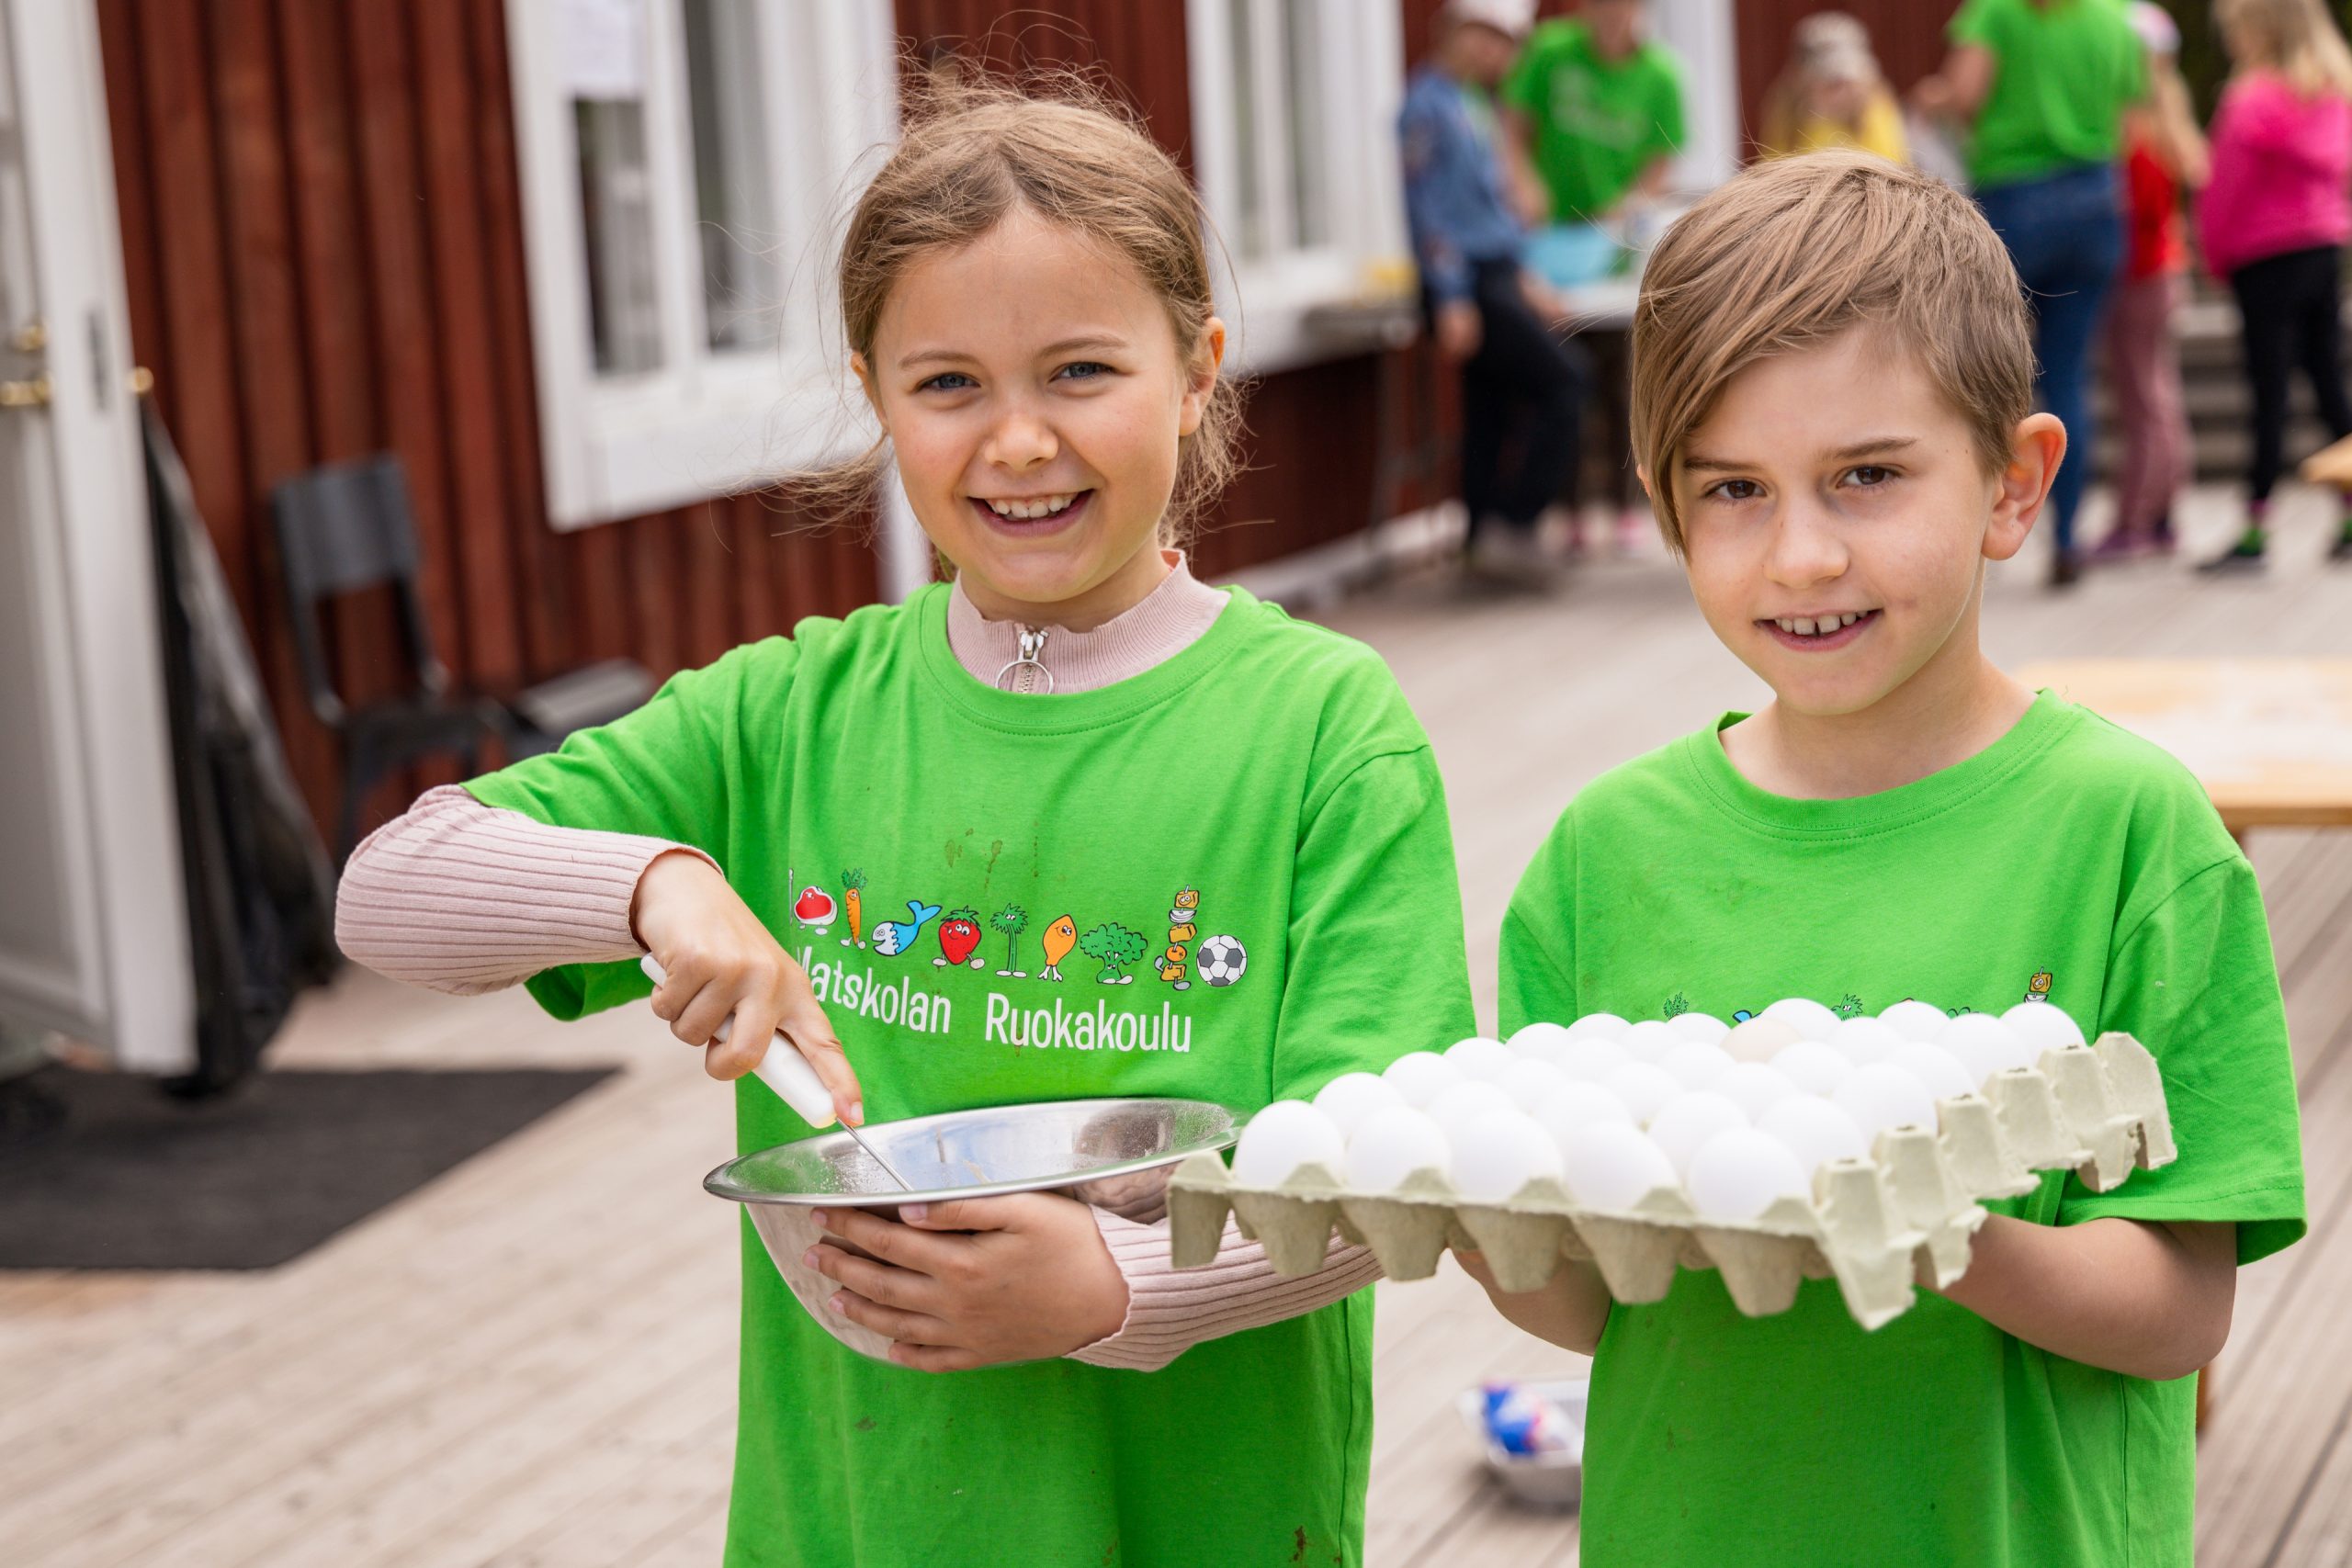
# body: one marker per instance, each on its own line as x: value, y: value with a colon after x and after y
x: 976, y: 1282
x: 721, y: 962
x: 1459, y: 330
x: 1570, y: 1310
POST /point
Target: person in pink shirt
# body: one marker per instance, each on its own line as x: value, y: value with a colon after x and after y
x: 2273, y: 220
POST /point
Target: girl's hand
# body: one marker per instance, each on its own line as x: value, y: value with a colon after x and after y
x: 721, y: 962
x: 976, y: 1282
x: 1569, y: 1311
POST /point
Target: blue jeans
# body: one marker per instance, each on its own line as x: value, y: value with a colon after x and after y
x: 2064, y: 232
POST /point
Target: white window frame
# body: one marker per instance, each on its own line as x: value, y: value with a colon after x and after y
x: 1266, y: 300
x: 707, y: 421
x: 1701, y: 35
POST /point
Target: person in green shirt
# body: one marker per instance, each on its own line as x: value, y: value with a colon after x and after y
x: 1596, y: 108
x: 2043, y: 86
x: 1072, y: 826
x: 1838, y: 440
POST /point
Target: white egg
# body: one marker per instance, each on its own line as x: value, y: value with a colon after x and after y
x: 1645, y: 1088
x: 1879, y: 1097
x: 1703, y: 1027
x: 1696, y: 1065
x: 1503, y: 1153
x: 1454, y: 1110
x: 1935, y: 1067
x: 1284, y: 1135
x: 1422, y: 1076
x: 1603, y: 1025
x: 1544, y: 1041
x: 1985, y: 1046
x: 1350, y: 1097
x: 1479, y: 1057
x: 1593, y: 1059
x: 1914, y: 1020
x: 1649, y: 1040
x: 1810, y: 1019
x: 1753, y: 1087
x: 1529, y: 1082
x: 1574, y: 1106
x: 1861, y: 1040
x: 1740, y: 1171
x: 1814, y: 1067
x: 1390, y: 1144
x: 1759, y: 1039
x: 2043, y: 1026
x: 1689, y: 1120
x: 1814, y: 1130
x: 1611, y: 1167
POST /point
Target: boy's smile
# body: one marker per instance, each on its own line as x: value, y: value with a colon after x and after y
x: 1837, y: 520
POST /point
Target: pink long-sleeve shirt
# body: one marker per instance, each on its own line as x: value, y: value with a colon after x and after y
x: 2282, y: 174
x: 464, y: 898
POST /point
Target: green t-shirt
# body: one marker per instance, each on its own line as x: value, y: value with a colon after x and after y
x: 1267, y: 786
x: 1597, y: 123
x: 2069, y: 860
x: 2062, y: 73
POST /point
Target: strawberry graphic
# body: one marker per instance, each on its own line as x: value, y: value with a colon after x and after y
x: 815, y: 907
x: 959, y: 933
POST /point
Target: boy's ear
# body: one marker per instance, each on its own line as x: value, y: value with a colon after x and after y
x: 1641, y: 472
x: 2036, y: 448
x: 864, y: 374
x: 1208, y: 358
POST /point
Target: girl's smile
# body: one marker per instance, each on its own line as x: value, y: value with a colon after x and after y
x: 1037, y: 401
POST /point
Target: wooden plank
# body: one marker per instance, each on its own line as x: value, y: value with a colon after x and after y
x: 656, y: 605
x: 404, y: 317
x: 548, y: 640
x: 195, y: 365
x: 118, y: 45
x: 756, y: 611
x: 479, y: 524
x: 710, y: 626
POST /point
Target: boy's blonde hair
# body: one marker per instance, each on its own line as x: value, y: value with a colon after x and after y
x: 974, y: 151
x: 1796, y: 251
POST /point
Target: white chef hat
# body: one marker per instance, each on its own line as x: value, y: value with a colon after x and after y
x: 1512, y: 18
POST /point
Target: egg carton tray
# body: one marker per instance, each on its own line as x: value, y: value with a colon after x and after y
x: 1878, y: 1226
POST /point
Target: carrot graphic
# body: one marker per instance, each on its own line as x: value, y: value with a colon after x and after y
x: 852, y: 890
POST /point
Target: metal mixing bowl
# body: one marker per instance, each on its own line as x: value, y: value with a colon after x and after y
x: 1114, y: 1153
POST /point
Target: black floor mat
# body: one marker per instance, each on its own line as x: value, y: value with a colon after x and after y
x: 105, y: 1171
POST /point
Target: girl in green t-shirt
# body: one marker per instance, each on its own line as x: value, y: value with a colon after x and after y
x: 1072, y: 824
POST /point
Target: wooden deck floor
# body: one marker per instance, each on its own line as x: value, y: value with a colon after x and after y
x: 529, y: 1362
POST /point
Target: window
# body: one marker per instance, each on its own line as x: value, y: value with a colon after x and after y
x: 683, y: 166
x: 1294, y: 127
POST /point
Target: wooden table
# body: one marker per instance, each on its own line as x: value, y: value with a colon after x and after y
x: 2269, y: 738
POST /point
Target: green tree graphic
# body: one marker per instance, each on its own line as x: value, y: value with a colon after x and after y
x: 1013, y: 919
x: 1115, y: 945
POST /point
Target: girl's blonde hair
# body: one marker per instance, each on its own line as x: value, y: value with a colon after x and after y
x: 976, y: 150
x: 2297, y: 38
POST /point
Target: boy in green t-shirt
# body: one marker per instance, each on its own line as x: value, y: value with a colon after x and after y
x: 1832, y: 386
x: 1596, y: 107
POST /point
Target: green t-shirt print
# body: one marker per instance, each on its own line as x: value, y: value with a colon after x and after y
x: 2062, y: 73
x: 2069, y: 861
x: 1597, y: 123
x: 1230, y: 877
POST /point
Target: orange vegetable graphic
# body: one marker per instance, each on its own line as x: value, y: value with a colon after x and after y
x: 852, y: 890
x: 1058, y: 939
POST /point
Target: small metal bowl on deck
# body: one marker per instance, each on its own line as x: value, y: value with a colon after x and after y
x: 1114, y: 1153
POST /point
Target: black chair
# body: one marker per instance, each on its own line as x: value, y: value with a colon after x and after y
x: 350, y: 526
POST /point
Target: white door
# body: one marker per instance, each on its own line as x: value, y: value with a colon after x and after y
x: 93, y: 915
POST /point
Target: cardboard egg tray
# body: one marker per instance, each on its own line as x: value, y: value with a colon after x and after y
x: 1878, y: 1226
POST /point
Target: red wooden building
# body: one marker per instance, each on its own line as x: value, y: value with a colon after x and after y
x: 562, y: 256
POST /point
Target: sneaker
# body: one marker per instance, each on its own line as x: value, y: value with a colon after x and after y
x: 2246, y: 555
x: 2065, y: 568
x: 1513, y: 557
x: 2121, y: 545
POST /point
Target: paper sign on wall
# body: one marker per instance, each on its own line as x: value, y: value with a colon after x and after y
x: 603, y: 45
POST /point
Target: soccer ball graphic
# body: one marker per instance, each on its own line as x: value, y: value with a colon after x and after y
x: 1222, y: 958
